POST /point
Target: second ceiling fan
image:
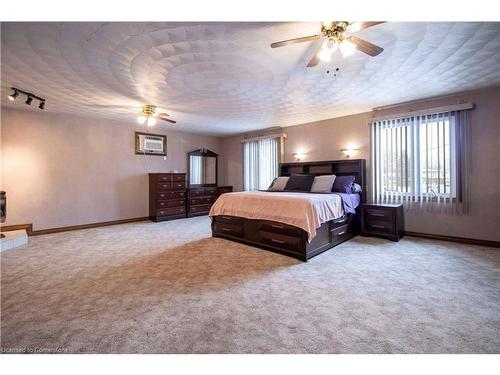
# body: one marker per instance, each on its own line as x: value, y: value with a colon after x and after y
x: 334, y: 37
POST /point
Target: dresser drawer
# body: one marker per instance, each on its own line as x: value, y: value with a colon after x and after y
x: 378, y: 213
x: 163, y: 186
x: 280, y: 241
x: 178, y: 178
x: 178, y: 185
x: 200, y: 208
x: 228, y: 219
x: 196, y: 192
x: 229, y: 229
x: 171, y: 203
x: 201, y: 200
x: 280, y: 228
x: 170, y: 211
x: 375, y: 225
x: 211, y: 191
x: 163, y: 195
x: 164, y: 178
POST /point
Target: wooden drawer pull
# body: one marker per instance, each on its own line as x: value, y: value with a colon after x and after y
x: 226, y: 229
x: 376, y: 214
x: 341, y: 233
x: 277, y: 226
x: 378, y: 226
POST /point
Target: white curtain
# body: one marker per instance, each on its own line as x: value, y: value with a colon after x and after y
x: 421, y: 160
x: 260, y: 163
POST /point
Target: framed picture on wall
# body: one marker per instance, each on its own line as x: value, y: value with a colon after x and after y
x: 150, y: 144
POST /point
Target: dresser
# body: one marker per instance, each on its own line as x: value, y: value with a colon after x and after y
x: 200, y: 199
x: 167, y: 196
x: 382, y: 220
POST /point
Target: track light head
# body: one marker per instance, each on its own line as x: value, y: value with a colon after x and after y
x: 14, y: 95
x: 42, y: 104
x: 29, y: 100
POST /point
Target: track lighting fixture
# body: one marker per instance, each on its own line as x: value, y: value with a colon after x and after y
x: 14, y: 95
x: 29, y: 97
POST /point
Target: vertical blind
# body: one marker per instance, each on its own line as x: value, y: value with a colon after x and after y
x: 420, y: 159
x: 260, y: 163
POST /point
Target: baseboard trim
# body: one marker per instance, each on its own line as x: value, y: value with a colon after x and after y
x: 470, y: 241
x: 27, y: 227
x: 31, y: 232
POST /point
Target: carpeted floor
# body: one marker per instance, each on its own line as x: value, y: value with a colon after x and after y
x: 170, y: 288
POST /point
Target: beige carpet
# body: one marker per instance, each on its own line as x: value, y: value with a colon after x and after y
x: 170, y: 288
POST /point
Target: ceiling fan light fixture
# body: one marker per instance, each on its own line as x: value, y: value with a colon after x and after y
x: 151, y: 121
x: 347, y: 48
x: 141, y: 119
x: 328, y: 48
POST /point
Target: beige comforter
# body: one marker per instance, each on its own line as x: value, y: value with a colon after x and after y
x: 304, y: 210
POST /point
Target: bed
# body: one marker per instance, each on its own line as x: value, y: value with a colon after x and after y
x: 300, y: 225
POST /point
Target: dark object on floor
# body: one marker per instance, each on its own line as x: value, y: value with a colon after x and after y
x: 382, y: 220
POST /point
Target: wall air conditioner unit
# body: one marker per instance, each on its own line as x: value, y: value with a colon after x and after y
x: 150, y: 144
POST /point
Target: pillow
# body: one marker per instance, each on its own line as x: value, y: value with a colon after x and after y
x: 278, y: 184
x: 343, y: 184
x: 300, y: 182
x: 356, y: 188
x: 323, y: 184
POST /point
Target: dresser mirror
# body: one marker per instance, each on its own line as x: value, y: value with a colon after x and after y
x: 202, y: 168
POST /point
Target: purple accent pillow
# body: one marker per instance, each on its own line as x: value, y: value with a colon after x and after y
x: 343, y: 184
x: 300, y: 182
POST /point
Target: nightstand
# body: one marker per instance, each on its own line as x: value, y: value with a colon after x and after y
x: 382, y: 220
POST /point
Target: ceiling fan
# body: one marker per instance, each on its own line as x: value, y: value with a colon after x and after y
x: 333, y: 34
x: 149, y: 116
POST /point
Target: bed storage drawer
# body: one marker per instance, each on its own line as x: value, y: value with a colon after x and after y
x: 280, y: 228
x: 229, y: 220
x: 228, y: 229
x: 339, y: 233
x: 280, y: 241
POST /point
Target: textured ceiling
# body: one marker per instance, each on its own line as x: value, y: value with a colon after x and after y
x: 223, y: 78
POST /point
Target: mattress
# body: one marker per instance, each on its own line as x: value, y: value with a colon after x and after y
x: 303, y: 210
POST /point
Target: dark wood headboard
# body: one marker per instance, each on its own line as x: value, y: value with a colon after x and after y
x: 347, y: 167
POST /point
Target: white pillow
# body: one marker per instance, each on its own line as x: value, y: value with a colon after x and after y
x: 278, y: 184
x: 323, y: 184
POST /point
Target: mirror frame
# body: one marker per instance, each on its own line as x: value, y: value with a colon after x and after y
x: 202, y: 152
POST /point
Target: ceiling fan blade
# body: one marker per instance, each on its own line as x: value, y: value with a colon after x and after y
x: 296, y: 40
x: 163, y: 116
x: 168, y: 120
x: 364, y: 46
x: 356, y: 26
x: 314, y: 61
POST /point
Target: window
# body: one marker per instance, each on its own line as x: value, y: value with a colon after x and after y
x: 260, y: 163
x: 417, y: 158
